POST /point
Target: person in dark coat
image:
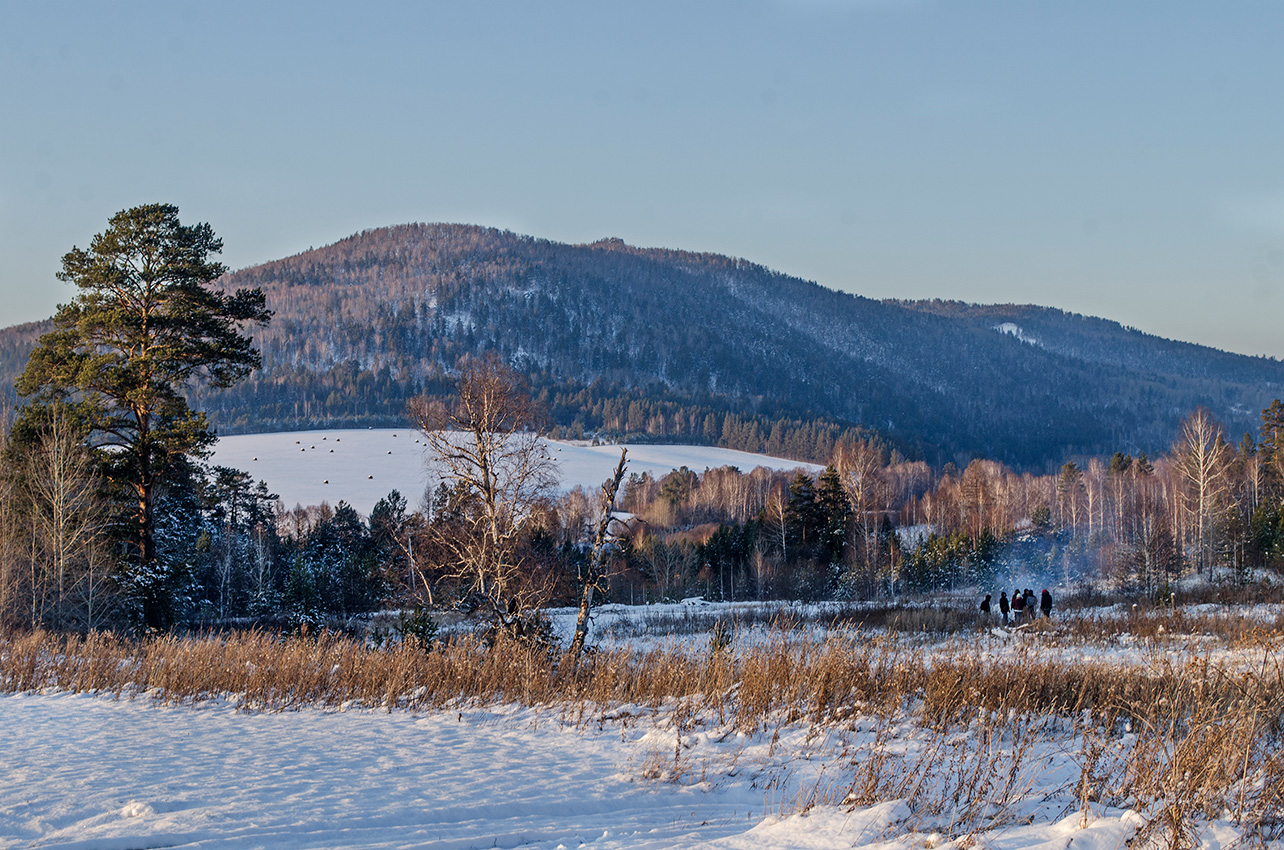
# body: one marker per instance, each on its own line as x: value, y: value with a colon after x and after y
x: 1029, y: 605
x: 1003, y: 606
x: 1045, y: 603
x: 985, y: 608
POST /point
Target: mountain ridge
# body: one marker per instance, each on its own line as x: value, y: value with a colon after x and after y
x: 602, y: 328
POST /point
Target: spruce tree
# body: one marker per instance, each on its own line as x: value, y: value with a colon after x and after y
x: 803, y: 521
x: 1271, y: 444
x: 835, y: 514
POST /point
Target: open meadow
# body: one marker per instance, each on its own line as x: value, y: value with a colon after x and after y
x: 361, y: 465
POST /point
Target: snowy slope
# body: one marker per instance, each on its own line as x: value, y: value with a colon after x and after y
x: 362, y: 466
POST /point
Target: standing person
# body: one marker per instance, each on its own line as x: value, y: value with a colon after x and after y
x: 1029, y: 605
x: 1045, y: 603
x: 1003, y: 606
x: 1018, y: 606
x: 985, y: 609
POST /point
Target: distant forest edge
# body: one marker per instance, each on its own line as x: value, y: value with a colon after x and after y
x: 659, y: 345
x: 592, y: 412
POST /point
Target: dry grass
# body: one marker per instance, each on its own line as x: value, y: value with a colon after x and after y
x: 1227, y: 624
x: 749, y: 685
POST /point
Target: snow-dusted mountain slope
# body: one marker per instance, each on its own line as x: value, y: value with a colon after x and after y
x: 656, y: 344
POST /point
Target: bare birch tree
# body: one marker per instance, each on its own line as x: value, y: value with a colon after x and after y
x: 1070, y: 491
x: 776, y: 520
x: 1201, y: 459
x: 1094, y: 486
x: 860, y: 469
x: 667, y: 564
x: 10, y: 559
x: 68, y: 518
x: 485, y: 446
x: 763, y: 567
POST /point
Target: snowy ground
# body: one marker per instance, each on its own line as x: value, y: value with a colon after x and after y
x: 360, y: 466
x: 685, y: 626
x: 88, y: 772
x: 79, y: 771
x: 85, y: 772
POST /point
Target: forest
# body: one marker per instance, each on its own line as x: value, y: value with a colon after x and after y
x: 872, y: 525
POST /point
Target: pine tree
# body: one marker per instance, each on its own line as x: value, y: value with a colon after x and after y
x: 802, y: 520
x: 1271, y: 444
x: 147, y: 324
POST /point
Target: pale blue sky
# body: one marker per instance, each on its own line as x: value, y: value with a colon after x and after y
x: 1118, y: 159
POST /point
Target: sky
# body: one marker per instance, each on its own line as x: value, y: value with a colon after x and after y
x: 1118, y: 159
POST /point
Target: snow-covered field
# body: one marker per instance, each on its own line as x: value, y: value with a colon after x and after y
x: 88, y: 772
x: 84, y: 771
x: 362, y: 466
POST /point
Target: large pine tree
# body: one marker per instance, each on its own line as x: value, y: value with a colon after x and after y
x: 148, y: 322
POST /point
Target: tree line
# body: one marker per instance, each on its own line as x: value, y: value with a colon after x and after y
x: 347, y: 396
x: 873, y: 525
x: 870, y: 525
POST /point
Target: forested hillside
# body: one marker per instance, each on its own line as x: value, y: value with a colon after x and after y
x: 669, y: 345
x: 16, y: 343
x: 1102, y: 341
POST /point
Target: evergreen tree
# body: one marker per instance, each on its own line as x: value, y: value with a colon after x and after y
x: 1271, y: 444
x: 835, y: 514
x: 1120, y: 464
x: 677, y: 486
x: 165, y: 589
x: 146, y: 325
x: 1266, y: 531
x: 802, y: 518
x: 358, y: 585
x: 392, y: 539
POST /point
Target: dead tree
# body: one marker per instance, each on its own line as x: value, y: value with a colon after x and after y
x: 593, y: 574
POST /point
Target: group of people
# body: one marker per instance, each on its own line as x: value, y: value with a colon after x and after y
x: 1021, y: 607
